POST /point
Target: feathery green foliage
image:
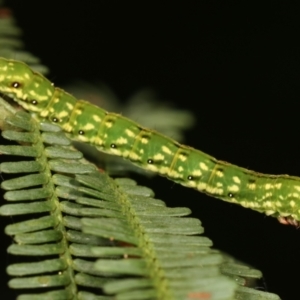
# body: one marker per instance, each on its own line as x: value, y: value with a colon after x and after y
x: 116, y: 211
x: 94, y: 235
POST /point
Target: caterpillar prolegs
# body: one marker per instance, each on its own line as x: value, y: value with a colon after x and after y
x: 277, y: 195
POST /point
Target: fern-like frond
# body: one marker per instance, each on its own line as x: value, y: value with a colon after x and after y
x: 119, y: 211
x: 87, y: 236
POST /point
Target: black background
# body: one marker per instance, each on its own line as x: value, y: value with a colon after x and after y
x: 236, y: 66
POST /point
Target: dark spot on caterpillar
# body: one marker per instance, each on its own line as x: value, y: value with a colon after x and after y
x: 114, y: 146
x: 220, y: 170
x: 184, y: 154
x: 190, y: 177
x: 150, y: 161
x: 81, y: 132
x: 110, y: 121
x: 230, y: 195
x: 16, y: 84
x: 55, y: 120
x: 251, y: 180
x: 34, y: 102
x: 145, y: 136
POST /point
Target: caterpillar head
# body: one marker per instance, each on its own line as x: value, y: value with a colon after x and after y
x: 29, y: 89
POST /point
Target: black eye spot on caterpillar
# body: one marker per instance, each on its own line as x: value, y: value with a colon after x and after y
x: 54, y: 119
x: 34, y: 102
x: 81, y: 132
x: 145, y: 137
x: 16, y: 85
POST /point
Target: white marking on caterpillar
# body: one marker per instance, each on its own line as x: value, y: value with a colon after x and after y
x: 121, y: 141
x: 203, y: 166
x: 233, y: 188
x: 166, y: 150
x: 236, y: 179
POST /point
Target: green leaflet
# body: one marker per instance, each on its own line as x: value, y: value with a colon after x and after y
x: 276, y: 195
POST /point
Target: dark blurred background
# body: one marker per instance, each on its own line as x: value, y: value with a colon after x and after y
x: 235, y: 66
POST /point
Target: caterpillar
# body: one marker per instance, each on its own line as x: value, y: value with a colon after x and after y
x: 276, y: 195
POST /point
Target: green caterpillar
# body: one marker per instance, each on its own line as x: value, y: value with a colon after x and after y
x: 276, y: 195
